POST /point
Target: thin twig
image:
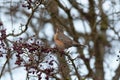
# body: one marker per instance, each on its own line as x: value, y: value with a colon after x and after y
x: 28, y: 21
x: 76, y: 70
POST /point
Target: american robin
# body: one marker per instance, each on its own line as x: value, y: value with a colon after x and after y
x: 64, y: 42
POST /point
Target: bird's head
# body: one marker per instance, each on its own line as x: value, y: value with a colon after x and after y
x: 59, y: 30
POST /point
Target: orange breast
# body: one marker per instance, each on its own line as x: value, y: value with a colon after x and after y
x: 59, y: 43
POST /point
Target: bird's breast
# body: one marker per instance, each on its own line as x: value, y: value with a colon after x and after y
x: 59, y: 43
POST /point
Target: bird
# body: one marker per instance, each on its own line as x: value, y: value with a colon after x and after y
x: 64, y: 42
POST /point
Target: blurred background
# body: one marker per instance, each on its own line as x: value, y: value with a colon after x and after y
x: 94, y: 23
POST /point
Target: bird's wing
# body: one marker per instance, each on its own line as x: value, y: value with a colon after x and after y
x: 65, y: 39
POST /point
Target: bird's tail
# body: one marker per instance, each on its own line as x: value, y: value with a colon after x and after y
x: 78, y: 44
